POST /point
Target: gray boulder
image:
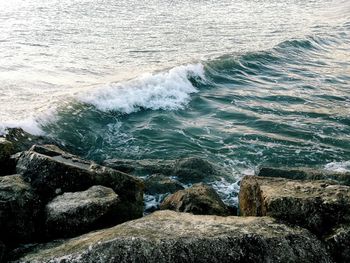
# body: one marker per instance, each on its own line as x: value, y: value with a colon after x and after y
x: 316, y: 205
x: 167, y: 236
x: 304, y: 173
x: 75, y: 213
x: 7, y: 165
x: 19, y: 208
x: 160, y: 184
x: 52, y: 171
x: 200, y: 199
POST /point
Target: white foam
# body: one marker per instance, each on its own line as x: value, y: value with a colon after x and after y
x: 168, y: 90
x: 152, y: 202
x: 29, y: 125
x: 339, y: 167
x: 227, y: 191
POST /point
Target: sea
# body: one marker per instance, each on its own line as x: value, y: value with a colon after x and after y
x: 240, y: 83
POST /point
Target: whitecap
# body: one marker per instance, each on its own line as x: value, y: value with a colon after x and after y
x: 168, y: 90
x: 339, y: 167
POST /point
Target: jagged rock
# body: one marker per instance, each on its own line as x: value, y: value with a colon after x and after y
x: 52, y: 171
x: 7, y: 165
x: 19, y: 208
x: 338, y: 243
x: 303, y: 173
x: 199, y: 199
x: 160, y: 184
x: 188, y: 170
x: 316, y: 205
x: 22, y: 140
x: 167, y: 236
x: 75, y: 213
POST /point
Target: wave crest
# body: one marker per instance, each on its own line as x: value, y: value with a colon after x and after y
x: 165, y: 90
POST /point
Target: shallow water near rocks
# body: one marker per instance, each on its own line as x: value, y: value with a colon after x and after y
x: 239, y: 83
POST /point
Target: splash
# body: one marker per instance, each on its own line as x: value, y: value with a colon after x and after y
x: 165, y: 90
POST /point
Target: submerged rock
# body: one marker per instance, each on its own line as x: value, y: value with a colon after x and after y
x: 200, y: 199
x: 316, y: 205
x: 7, y: 165
x: 338, y: 243
x: 160, y: 184
x: 167, y: 236
x: 19, y: 207
x: 302, y: 173
x: 75, y: 213
x: 187, y: 170
x: 195, y: 170
x: 52, y: 171
x: 141, y: 167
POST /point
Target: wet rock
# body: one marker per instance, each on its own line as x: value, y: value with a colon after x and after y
x: 52, y: 171
x: 141, y: 167
x: 188, y: 170
x: 200, y: 199
x: 22, y: 140
x: 19, y: 208
x: 167, y: 236
x: 75, y: 213
x: 303, y: 173
x: 195, y: 170
x: 7, y: 165
x: 316, y: 205
x: 338, y: 243
x: 160, y: 184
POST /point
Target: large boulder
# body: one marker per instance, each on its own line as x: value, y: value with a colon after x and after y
x: 167, y: 236
x: 305, y: 173
x: 160, y: 184
x: 52, y: 171
x: 71, y: 214
x: 338, y: 243
x: 19, y: 208
x: 7, y: 165
x: 316, y: 205
x: 200, y: 199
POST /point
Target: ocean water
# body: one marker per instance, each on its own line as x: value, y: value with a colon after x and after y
x: 241, y: 83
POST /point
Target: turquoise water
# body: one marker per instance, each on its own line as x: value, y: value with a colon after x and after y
x: 288, y: 105
x: 239, y: 83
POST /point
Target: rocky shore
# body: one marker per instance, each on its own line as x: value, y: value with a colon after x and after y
x: 57, y: 207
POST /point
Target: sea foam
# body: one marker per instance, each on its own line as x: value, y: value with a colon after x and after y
x: 169, y: 90
x: 339, y: 167
x: 30, y: 125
